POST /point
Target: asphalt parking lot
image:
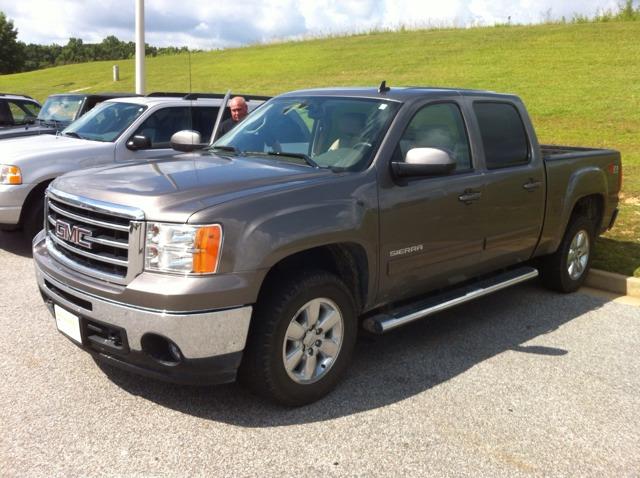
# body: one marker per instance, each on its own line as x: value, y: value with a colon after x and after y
x: 522, y: 383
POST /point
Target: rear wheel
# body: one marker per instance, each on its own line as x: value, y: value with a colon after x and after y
x: 567, y: 269
x: 302, y: 336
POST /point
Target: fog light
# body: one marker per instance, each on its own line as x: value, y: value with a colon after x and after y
x: 161, y: 349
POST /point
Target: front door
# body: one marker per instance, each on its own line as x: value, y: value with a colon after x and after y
x: 432, y: 228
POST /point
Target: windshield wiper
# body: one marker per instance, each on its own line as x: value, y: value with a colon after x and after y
x: 307, y: 159
x: 73, y: 134
x: 226, y: 148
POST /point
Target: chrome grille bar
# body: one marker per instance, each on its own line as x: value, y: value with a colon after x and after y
x: 112, y: 234
x: 87, y: 220
x: 97, y: 257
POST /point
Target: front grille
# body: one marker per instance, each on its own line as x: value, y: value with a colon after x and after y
x: 97, y: 239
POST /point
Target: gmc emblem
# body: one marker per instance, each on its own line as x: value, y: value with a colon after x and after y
x: 73, y: 234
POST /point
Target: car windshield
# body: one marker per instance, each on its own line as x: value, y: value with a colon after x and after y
x: 327, y: 132
x: 105, y: 122
x: 60, y: 109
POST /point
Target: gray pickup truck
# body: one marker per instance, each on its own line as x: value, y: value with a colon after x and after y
x: 325, y: 210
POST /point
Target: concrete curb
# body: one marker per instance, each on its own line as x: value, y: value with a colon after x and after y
x: 612, y: 282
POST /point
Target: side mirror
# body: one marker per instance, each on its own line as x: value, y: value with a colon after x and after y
x: 187, y: 141
x: 139, y: 142
x: 424, y: 162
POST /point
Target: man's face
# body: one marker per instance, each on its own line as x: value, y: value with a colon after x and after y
x: 238, y: 110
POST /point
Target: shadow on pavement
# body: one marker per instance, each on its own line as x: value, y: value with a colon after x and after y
x: 393, y: 367
x: 15, y: 243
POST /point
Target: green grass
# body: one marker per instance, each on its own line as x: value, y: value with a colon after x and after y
x: 581, y: 83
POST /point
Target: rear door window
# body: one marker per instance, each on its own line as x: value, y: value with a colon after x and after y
x: 203, y: 119
x: 504, y: 137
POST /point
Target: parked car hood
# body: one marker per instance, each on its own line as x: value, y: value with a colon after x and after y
x: 46, y: 144
x: 26, y: 130
x: 173, y: 189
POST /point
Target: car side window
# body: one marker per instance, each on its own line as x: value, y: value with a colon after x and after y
x: 23, y: 111
x: 438, y: 126
x: 163, y: 123
x: 504, y: 137
x: 203, y: 119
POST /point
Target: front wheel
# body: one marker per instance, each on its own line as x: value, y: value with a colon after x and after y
x: 567, y: 268
x: 302, y: 336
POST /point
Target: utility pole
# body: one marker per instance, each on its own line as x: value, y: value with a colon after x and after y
x: 140, y: 47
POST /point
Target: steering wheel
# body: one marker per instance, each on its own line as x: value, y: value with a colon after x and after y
x: 257, y: 129
x: 361, y: 145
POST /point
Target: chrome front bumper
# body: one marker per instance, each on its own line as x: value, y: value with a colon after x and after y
x: 198, y: 335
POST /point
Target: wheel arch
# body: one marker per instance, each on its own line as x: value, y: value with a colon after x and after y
x: 346, y: 260
x: 37, y: 192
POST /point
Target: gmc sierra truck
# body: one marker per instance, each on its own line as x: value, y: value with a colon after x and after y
x: 325, y: 210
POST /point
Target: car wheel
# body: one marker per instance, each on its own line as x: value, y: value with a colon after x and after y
x: 567, y: 269
x: 302, y: 336
x: 33, y: 219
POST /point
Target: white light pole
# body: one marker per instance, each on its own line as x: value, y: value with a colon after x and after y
x: 140, y: 47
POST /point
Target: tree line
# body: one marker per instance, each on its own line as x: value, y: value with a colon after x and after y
x: 17, y: 56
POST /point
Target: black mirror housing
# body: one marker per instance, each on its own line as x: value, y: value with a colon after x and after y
x: 139, y: 142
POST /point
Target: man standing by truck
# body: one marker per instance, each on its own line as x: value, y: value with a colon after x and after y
x: 239, y: 111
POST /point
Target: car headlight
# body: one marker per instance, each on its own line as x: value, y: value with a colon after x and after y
x: 10, y: 174
x: 182, y: 248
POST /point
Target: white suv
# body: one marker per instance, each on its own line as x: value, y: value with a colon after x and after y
x: 116, y: 131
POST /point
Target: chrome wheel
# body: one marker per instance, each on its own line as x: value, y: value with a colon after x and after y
x: 578, y: 257
x: 313, y: 341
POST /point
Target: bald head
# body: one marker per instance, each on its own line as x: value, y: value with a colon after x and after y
x: 239, y: 108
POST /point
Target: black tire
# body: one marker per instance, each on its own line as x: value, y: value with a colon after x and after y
x: 556, y: 273
x: 33, y: 219
x: 263, y: 367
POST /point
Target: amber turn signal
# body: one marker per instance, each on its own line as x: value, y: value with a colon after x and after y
x: 207, y: 249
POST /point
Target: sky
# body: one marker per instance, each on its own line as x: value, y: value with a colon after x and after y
x: 214, y: 24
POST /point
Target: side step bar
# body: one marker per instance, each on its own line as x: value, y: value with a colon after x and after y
x: 381, y: 323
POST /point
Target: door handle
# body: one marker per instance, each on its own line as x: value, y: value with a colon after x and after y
x: 469, y: 195
x: 532, y: 185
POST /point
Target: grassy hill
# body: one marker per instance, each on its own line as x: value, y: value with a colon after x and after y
x: 581, y: 83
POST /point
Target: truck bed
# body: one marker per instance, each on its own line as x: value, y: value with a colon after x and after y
x: 551, y: 152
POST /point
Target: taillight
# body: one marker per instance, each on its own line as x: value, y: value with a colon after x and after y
x: 616, y: 170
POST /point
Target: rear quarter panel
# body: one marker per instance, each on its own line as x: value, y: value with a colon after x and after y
x: 571, y: 177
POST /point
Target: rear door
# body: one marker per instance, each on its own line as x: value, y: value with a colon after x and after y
x: 514, y: 194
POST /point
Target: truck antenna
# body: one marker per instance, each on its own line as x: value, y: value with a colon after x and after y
x: 383, y: 88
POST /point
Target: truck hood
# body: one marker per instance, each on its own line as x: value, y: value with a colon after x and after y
x: 173, y: 189
x: 16, y: 150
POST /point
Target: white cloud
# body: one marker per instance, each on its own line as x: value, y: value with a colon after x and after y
x: 215, y: 24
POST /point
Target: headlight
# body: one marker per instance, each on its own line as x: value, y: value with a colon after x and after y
x: 182, y: 248
x: 10, y: 174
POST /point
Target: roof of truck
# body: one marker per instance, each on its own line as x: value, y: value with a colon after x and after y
x: 16, y: 96
x: 401, y: 94
x: 208, y: 99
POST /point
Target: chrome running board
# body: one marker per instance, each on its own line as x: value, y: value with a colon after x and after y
x: 381, y: 323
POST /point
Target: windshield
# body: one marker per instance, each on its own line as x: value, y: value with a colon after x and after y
x: 105, y: 122
x: 326, y: 132
x: 60, y: 108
